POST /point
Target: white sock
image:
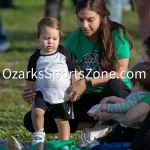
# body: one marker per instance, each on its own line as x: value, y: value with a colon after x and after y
x: 40, y: 130
x: 38, y: 137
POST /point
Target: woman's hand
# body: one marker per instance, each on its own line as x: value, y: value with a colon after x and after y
x: 112, y: 100
x: 102, y: 117
x: 76, y: 90
x: 103, y: 107
x: 28, y: 95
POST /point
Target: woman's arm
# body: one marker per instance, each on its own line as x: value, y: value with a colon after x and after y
x: 134, y: 116
x: 122, y: 108
x: 77, y: 89
x: 75, y: 77
x: 30, y: 85
x: 119, y: 73
x: 112, y: 100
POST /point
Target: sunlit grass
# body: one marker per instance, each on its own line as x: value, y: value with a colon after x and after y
x: 20, y: 25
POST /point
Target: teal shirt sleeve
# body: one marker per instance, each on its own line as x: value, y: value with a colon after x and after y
x: 121, y: 108
x: 121, y: 44
x: 130, y: 101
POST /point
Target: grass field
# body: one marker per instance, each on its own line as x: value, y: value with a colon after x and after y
x: 20, y: 25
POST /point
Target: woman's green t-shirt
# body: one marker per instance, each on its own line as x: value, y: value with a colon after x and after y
x: 87, y: 53
x: 146, y: 99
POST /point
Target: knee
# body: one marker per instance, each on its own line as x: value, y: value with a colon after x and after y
x: 61, y: 122
x: 115, y: 82
x: 37, y: 113
x: 118, y: 87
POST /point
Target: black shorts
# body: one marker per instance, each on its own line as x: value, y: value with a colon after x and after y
x: 58, y: 111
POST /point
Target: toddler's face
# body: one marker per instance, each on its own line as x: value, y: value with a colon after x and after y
x: 49, y: 39
x: 145, y: 57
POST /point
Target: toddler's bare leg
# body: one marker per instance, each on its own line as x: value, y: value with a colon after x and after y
x: 63, y: 129
x: 38, y: 118
x: 38, y: 124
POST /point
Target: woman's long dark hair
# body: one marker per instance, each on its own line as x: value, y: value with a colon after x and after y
x: 108, y: 52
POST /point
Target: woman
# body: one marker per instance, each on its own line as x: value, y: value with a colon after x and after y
x: 99, y: 45
x: 134, y: 116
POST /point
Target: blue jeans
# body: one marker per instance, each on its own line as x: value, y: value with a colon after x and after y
x: 115, y: 8
x: 3, y: 37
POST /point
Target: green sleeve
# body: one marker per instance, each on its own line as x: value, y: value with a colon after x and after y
x: 146, y: 99
x: 121, y: 44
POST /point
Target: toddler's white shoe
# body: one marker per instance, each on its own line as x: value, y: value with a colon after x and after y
x: 38, y: 137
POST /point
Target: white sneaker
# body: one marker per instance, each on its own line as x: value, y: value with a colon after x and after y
x: 38, y: 137
x: 90, y: 134
x: 13, y: 144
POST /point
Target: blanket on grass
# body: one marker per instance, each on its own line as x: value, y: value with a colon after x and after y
x: 50, y: 145
x: 57, y: 145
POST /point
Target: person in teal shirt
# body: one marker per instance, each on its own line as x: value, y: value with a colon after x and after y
x: 102, y: 48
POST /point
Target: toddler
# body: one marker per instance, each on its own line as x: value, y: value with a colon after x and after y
x: 50, y: 66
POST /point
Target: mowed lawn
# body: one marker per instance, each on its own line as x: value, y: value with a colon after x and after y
x: 20, y: 24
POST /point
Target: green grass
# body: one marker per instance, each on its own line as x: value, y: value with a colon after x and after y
x: 20, y: 25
